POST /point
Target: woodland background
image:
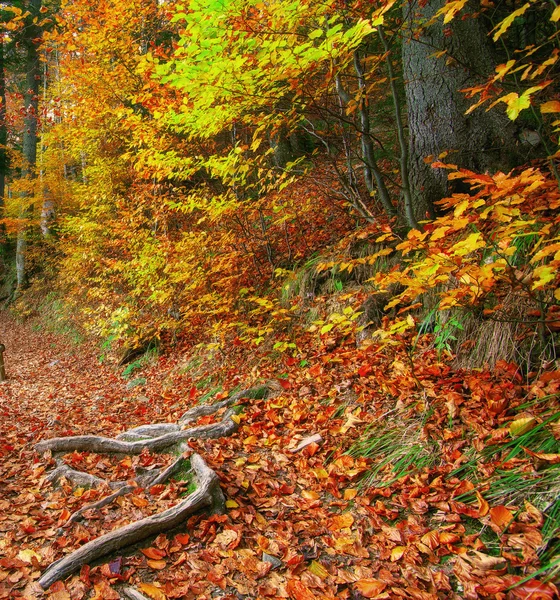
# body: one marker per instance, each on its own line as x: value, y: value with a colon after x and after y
x: 367, y: 187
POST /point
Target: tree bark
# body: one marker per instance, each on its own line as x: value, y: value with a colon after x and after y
x: 437, y: 122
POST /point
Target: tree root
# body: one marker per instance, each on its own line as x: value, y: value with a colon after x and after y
x: 101, y: 445
x: 156, y: 437
x: 208, y: 495
x: 154, y: 479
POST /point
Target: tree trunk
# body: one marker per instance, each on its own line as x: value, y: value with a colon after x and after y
x: 31, y: 104
x: 3, y: 132
x: 436, y: 107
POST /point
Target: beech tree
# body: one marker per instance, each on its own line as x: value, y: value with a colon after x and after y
x: 440, y: 60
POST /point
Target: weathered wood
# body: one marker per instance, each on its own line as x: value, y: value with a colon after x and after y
x: 208, y: 496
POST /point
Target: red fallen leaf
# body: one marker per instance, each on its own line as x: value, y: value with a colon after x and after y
x: 290, y: 361
x: 58, y: 591
x: 84, y: 574
x: 217, y: 578
x: 315, y: 370
x: 531, y: 590
x: 183, y: 538
x: 192, y: 393
x: 284, y: 383
x: 501, y: 516
x: 364, y: 370
x: 298, y: 591
x: 370, y: 588
x: 153, y: 553
x: 157, y: 489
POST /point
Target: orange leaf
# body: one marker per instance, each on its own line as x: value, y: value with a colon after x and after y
x: 482, y: 505
x: 153, y: 553
x: 341, y: 521
x: 152, y: 591
x: 139, y: 502
x: 501, y: 516
x: 183, y: 538
x: 552, y: 106
x: 158, y: 565
x: 431, y: 539
x: 298, y: 591
x: 370, y: 588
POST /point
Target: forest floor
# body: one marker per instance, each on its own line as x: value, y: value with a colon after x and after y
x: 435, y: 446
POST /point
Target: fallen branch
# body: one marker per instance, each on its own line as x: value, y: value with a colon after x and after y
x: 208, y: 495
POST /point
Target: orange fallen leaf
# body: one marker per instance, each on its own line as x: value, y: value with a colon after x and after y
x: 153, y: 553
x: 158, y: 565
x: 152, y: 591
x: 341, y: 521
x: 298, y: 591
x: 501, y: 516
x: 483, y: 506
x: 139, y: 502
x: 370, y: 588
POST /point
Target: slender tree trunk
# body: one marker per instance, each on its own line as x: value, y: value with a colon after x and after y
x: 3, y: 133
x: 373, y: 176
x: 31, y: 105
x: 403, y: 159
x: 436, y: 107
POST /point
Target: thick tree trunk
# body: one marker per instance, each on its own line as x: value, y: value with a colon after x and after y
x: 436, y: 107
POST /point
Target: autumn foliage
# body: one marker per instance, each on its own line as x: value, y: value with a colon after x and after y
x: 223, y: 194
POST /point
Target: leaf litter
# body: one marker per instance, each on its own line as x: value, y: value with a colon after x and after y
x: 341, y: 516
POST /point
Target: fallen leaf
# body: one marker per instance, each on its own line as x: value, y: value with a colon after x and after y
x: 370, y: 588
x: 152, y: 591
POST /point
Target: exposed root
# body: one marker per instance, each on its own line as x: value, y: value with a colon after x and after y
x: 78, y: 478
x: 100, y: 445
x: 132, y: 594
x: 157, y: 437
x: 208, y: 495
x: 155, y: 479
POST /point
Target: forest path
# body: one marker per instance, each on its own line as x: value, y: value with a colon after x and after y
x: 280, y: 514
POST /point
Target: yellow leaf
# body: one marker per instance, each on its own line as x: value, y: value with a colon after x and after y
x: 555, y: 14
x: 501, y: 70
x: 27, y: 555
x: 235, y: 418
x: 397, y: 553
x: 522, y: 425
x: 318, y: 570
x: 506, y: 23
x: 350, y: 493
x: 450, y: 10
x: 152, y: 591
x: 309, y: 495
x: 231, y: 504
